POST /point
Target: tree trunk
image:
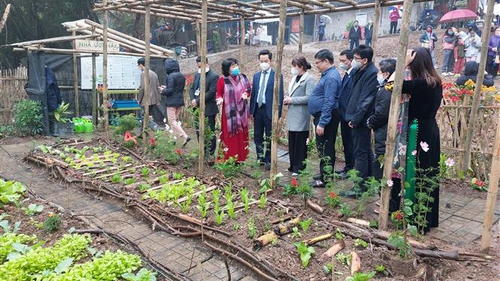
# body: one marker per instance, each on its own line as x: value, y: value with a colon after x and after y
x: 4, y: 18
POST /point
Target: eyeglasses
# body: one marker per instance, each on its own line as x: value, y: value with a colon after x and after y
x: 318, y: 62
x: 357, y: 58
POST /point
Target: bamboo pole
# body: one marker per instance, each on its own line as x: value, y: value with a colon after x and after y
x: 105, y: 67
x: 75, y: 80
x: 495, y: 162
x: 123, y: 38
x: 146, y: 100
x: 393, y: 113
x: 241, y: 63
x: 492, y: 191
x: 376, y: 24
x: 94, y: 90
x: 198, y: 36
x: 276, y: 101
x: 477, y: 94
x: 203, y: 76
x: 301, y: 30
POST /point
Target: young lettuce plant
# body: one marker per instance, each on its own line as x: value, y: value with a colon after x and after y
x: 305, y: 252
x: 305, y: 224
x: 245, y: 198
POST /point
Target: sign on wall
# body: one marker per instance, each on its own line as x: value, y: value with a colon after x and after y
x: 96, y: 46
x: 123, y: 72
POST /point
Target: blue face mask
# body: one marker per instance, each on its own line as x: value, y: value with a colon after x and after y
x: 235, y: 71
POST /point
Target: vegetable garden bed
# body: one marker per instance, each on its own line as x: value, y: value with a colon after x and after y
x: 276, y: 237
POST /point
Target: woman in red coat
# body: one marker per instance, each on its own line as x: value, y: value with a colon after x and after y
x: 233, y: 91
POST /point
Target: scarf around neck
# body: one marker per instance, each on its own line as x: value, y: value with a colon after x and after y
x: 235, y: 107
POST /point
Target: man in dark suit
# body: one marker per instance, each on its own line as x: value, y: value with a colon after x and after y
x: 211, y: 108
x: 345, y: 65
x: 359, y: 107
x: 261, y: 106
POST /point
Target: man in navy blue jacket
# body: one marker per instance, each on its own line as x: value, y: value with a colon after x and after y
x: 345, y: 59
x: 359, y: 108
x: 261, y: 106
x: 323, y: 106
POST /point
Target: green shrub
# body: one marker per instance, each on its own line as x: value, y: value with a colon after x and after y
x: 28, y: 118
x: 126, y: 123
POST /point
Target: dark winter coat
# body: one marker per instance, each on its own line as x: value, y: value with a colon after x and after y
x: 174, y: 87
x: 378, y: 121
x: 52, y: 89
x: 355, y: 34
x: 369, y: 32
x: 211, y: 79
x: 424, y: 104
x: 362, y: 98
x: 470, y: 72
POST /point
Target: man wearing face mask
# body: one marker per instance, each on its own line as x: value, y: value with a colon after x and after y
x: 261, y: 107
x: 323, y: 106
x: 211, y: 108
x: 359, y: 108
x: 345, y: 59
x: 354, y: 35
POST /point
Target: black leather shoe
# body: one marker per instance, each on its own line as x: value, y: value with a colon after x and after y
x: 268, y: 166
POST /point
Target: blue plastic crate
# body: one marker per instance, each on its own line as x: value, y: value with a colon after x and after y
x: 125, y: 104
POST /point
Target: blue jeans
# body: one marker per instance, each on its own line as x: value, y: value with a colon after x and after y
x: 448, y: 61
x: 352, y: 43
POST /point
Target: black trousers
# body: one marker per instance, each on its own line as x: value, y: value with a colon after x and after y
x: 394, y: 27
x: 363, y: 155
x: 346, y: 133
x: 262, y: 134
x: 326, y: 144
x: 491, y: 66
x: 320, y: 37
x: 297, y: 150
x: 211, y: 123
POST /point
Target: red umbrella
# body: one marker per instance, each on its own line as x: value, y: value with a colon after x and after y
x: 457, y: 15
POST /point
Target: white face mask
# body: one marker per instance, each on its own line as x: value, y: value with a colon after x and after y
x: 380, y: 79
x: 265, y: 66
x: 356, y: 64
x: 206, y: 69
x: 343, y: 66
x: 294, y: 71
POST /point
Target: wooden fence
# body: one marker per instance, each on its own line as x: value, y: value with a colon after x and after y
x: 12, y: 83
x: 453, y: 120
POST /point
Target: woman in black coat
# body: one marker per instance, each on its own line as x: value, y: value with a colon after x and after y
x: 174, y: 92
x: 425, y: 88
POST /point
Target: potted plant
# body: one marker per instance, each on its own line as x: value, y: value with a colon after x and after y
x: 59, y: 123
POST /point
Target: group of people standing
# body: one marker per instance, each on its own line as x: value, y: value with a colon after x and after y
x: 352, y: 96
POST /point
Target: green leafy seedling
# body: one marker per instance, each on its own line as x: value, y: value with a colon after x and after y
x: 380, y: 268
x: 296, y: 233
x: 252, y: 230
x: 360, y: 243
x: 305, y: 252
x: 344, y: 259
x: 33, y: 209
x: 262, y: 201
x: 305, y: 224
